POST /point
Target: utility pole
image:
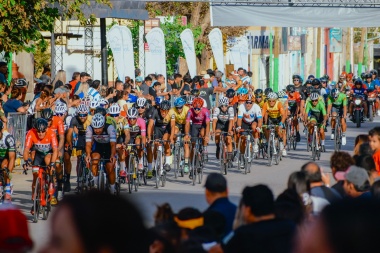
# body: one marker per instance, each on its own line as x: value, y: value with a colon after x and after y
x: 318, y: 61
x: 361, y: 50
x: 348, y: 50
x: 270, y: 59
x: 104, y: 52
x: 277, y: 42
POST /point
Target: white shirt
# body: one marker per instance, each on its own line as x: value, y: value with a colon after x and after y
x: 251, y: 115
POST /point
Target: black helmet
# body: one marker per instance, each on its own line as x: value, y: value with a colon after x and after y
x: 267, y: 91
x: 334, y: 93
x: 165, y: 105
x: 296, y: 77
x: 308, y: 81
x: 230, y: 93
x: 326, y: 76
x: 362, y: 75
x: 101, y: 110
x: 259, y: 93
x: 41, y: 124
x: 323, y: 80
x: 316, y: 82
x: 368, y: 75
x: 195, y: 92
x: 47, y: 114
x: 373, y: 72
x: 354, y: 78
x: 309, y: 89
x: 358, y: 82
x: 290, y: 88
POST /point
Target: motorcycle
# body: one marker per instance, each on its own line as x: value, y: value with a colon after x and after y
x: 358, y: 110
x: 371, y: 100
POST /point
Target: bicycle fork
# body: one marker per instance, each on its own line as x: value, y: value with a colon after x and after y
x: 316, y: 138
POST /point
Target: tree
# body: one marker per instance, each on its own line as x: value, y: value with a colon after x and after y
x: 198, y: 15
x: 22, y: 20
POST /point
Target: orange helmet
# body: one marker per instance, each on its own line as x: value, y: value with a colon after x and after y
x: 198, y: 102
x: 243, y: 97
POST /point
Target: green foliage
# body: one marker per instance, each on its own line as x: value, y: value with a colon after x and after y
x: 173, y: 43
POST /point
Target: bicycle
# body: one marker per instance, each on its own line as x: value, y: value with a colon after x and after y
x: 225, y: 163
x: 262, y: 143
x: 337, y: 133
x: 84, y: 176
x: 179, y: 156
x: 43, y: 192
x: 291, y: 138
x: 248, y: 153
x: 273, y: 148
x: 132, y: 173
x: 315, y: 145
x: 197, y: 161
x: 160, y: 173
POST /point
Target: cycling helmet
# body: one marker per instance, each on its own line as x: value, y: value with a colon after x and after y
x: 180, y: 102
x: 308, y: 81
x: 314, y: 96
x: 290, y: 88
x: 309, y: 89
x: 242, y: 91
x: 323, y: 80
x: 60, y: 108
x: 242, y: 97
x: 47, y: 114
x: 250, y: 97
x: 189, y: 99
x: 259, y: 93
x: 82, y: 109
x: 362, y: 75
x: 282, y: 94
x: 272, y: 95
x: 195, y: 92
x: 354, y: 78
x: 198, y: 103
x: 315, y: 82
x: 101, y: 110
x: 165, y: 105
x: 103, y: 102
x: 223, y: 101
x: 114, y: 109
x: 358, y: 82
x: 132, y: 113
x: 327, y: 77
x: 94, y: 104
x: 296, y: 77
x: 41, y: 125
x: 141, y: 102
x: 98, y: 121
x: 230, y: 93
x: 368, y: 75
x: 334, y: 93
x: 267, y: 91
x: 373, y: 72
x: 86, y: 101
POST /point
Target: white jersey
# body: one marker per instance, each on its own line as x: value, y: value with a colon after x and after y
x: 108, y: 135
x: 223, y: 116
x: 251, y: 115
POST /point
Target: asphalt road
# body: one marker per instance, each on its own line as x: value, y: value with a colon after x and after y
x: 181, y: 193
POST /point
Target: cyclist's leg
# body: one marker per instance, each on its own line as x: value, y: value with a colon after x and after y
x: 47, y: 160
x: 59, y: 173
x: 110, y: 168
x: 140, y: 151
x: 168, y: 157
x: 202, y: 133
x: 39, y: 159
x: 67, y: 163
x: 186, y: 148
x: 95, y: 156
x: 7, y: 179
x: 256, y: 135
x: 121, y: 155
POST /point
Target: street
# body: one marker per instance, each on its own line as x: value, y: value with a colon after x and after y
x: 181, y: 193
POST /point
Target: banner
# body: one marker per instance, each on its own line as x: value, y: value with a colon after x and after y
x: 187, y: 39
x: 155, y: 58
x: 336, y: 45
x: 239, y: 54
x: 216, y: 42
x: 128, y: 54
x: 115, y: 40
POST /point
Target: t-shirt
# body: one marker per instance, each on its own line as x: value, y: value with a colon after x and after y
x: 205, y: 94
x: 144, y: 89
x: 152, y: 92
x: 185, y: 88
x: 248, y: 116
x: 11, y: 106
x: 376, y: 158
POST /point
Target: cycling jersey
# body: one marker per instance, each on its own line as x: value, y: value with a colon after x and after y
x: 138, y: 129
x: 340, y: 101
x: 357, y: 91
x: 180, y: 118
x: 262, y: 102
x: 81, y: 127
x: 148, y: 114
x: 159, y: 121
x: 57, y: 126
x: 198, y: 119
x: 320, y: 98
x: 223, y: 118
x: 106, y: 136
x: 275, y: 111
x: 283, y: 101
x: 294, y: 100
x: 251, y: 115
x: 317, y: 111
x: 45, y: 145
x: 7, y: 144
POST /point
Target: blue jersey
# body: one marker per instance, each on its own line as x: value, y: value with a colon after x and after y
x: 360, y: 91
x: 371, y: 85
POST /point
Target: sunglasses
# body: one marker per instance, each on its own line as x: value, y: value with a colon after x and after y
x: 296, y: 80
x: 164, y: 111
x: 197, y: 109
x: 271, y: 101
x: 41, y: 132
x: 179, y: 108
x: 59, y: 114
x: 314, y: 100
x: 140, y: 107
x: 259, y: 97
x: 114, y: 115
x: 224, y: 106
x: 132, y: 119
x: 82, y: 115
x: 249, y: 103
x: 291, y: 91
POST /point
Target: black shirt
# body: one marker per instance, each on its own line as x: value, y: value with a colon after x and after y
x: 185, y: 88
x: 152, y: 92
x: 159, y: 121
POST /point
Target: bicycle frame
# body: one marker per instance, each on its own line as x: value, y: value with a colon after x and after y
x: 197, y: 158
x: 41, y: 195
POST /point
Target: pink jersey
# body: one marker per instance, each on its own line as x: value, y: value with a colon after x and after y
x: 198, y: 119
x: 138, y: 129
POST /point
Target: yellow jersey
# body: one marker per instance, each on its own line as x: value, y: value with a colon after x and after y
x: 180, y: 118
x: 275, y: 111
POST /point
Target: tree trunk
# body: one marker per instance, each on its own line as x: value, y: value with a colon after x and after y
x: 205, y: 60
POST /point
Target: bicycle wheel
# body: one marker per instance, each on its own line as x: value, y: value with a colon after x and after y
x: 102, y: 181
x: 238, y: 154
x: 247, y: 159
x: 288, y: 136
x: 307, y: 140
x: 46, y: 209
x: 200, y: 168
x: 130, y: 173
x: 193, y: 167
x: 163, y: 175
x: 294, y: 142
x: 177, y: 161
x: 221, y: 156
x: 182, y: 158
x: 314, y: 146
x: 37, y: 201
x: 270, y: 151
x: 277, y: 156
x: 157, y: 166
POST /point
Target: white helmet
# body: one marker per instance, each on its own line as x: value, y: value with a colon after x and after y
x: 86, y: 101
x: 272, y: 95
x: 82, y: 109
x: 250, y: 97
x: 114, y: 109
x: 103, y: 102
x: 94, y: 104
x: 132, y: 113
x: 141, y: 102
x: 314, y: 96
x: 224, y: 101
x: 60, y: 108
x: 98, y: 121
x: 189, y: 99
x: 281, y: 94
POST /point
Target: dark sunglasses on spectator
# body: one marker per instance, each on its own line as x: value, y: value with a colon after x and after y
x: 82, y: 115
x: 114, y: 115
x: 197, y: 109
x: 140, y: 107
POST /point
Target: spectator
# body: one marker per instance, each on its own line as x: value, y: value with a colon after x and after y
x: 73, y: 225
x: 82, y: 91
x: 356, y: 182
x: 359, y: 140
x: 7, y: 92
x: 216, y: 193
x: 154, y: 90
x: 119, y: 85
x: 46, y: 75
x: 206, y: 78
x: 137, y: 73
x: 366, y: 162
x: 59, y: 79
x: 93, y: 91
x: 122, y: 97
x: 375, y: 190
x: 164, y: 86
x: 318, y: 187
x: 83, y: 78
x: 289, y: 206
x: 74, y: 80
x: 178, y: 80
x: 186, y: 86
x: 374, y: 142
x: 213, y: 80
x: 14, y: 104
x: 163, y: 214
x: 3, y: 72
x: 14, y: 235
x: 339, y: 162
x: 187, y: 219
x: 138, y: 83
x: 263, y: 232
x: 165, y: 238
x: 144, y: 87
x: 206, y: 92
x: 111, y: 95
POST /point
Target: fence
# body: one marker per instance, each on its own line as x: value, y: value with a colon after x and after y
x: 17, y: 127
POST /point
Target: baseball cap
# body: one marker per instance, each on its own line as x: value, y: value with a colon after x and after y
x: 15, y: 235
x: 216, y: 182
x: 356, y: 175
x: 207, y: 76
x: 139, y: 79
x: 218, y: 74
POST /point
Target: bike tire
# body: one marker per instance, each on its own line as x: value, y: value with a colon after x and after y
x: 357, y: 118
x: 158, y: 168
x: 200, y: 172
x: 269, y: 153
x: 177, y: 162
x: 102, y: 181
x: 337, y: 137
x: 294, y: 143
x: 130, y: 174
x: 37, y: 201
x: 193, y: 168
x: 370, y: 112
x: 307, y: 141
x: 182, y: 157
x: 246, y: 157
x: 313, y: 147
x: 46, y: 209
x: 221, y: 157
x: 289, y: 136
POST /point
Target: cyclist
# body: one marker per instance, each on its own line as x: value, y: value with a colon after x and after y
x: 232, y: 99
x: 223, y: 121
x: 189, y: 101
x: 7, y: 159
x: 359, y: 90
x: 249, y: 118
x: 274, y: 113
x: 93, y: 105
x: 259, y: 97
x: 297, y: 81
x: 337, y: 104
x: 294, y: 105
x: 161, y: 130
x: 177, y: 118
x: 196, y: 93
x: 76, y: 138
x: 200, y: 118
x: 315, y: 113
x: 266, y: 92
x: 101, y: 144
x: 136, y: 133
x: 44, y: 142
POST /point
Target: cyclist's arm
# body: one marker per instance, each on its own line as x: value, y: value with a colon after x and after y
x: 187, y: 127
x: 150, y: 129
x: 69, y: 137
x: 207, y: 119
x: 259, y: 117
x: 88, y: 141
x: 329, y: 106
x: 215, y: 119
x: 307, y: 109
x: 142, y: 126
x: 112, y: 133
x: 283, y: 113
x: 240, y: 113
x: 54, y: 146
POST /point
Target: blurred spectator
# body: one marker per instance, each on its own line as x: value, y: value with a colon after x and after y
x: 83, y: 78
x: 359, y: 140
x: 164, y: 214
x: 375, y: 190
x: 318, y: 187
x: 366, y: 162
x: 356, y: 182
x: 165, y: 238
x: 289, y: 206
x: 14, y: 104
x: 374, y: 142
x: 94, y: 89
x: 46, y: 74
x: 59, y: 79
x: 187, y: 219
x: 339, y: 162
x: 3, y: 72
x: 14, y: 235
x: 74, y: 80
x: 83, y: 223
x: 119, y: 85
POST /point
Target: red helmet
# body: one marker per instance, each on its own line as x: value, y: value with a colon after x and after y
x: 198, y: 102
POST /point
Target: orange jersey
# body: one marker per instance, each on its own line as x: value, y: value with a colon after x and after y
x: 57, y: 126
x: 296, y: 98
x: 273, y: 112
x: 234, y: 101
x: 376, y: 158
x: 46, y: 145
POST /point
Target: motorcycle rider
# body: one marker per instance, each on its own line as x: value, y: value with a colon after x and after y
x: 358, y: 89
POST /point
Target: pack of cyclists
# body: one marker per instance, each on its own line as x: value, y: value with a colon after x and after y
x: 100, y: 130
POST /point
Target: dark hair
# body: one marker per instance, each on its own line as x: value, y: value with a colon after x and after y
x: 15, y: 93
x: 366, y: 162
x: 156, y: 84
x: 153, y: 76
x: 75, y: 97
x: 75, y: 75
x: 187, y: 79
x: 148, y: 79
x: 314, y: 176
x: 289, y: 206
x: 259, y: 198
x: 118, y: 81
x: 374, y: 131
x: 340, y: 161
x: 375, y: 190
x: 299, y: 182
x: 95, y: 84
x: 137, y: 72
x: 209, y: 71
x: 164, y: 213
x: 84, y: 74
x: 3, y: 64
x: 91, y: 215
x: 240, y: 69
x: 249, y: 73
x: 169, y: 234
x: 110, y: 90
x: 120, y: 94
x: 365, y: 149
x: 177, y: 76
